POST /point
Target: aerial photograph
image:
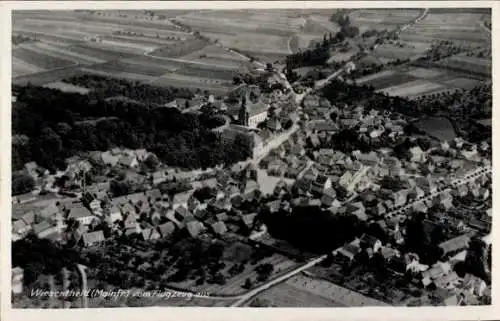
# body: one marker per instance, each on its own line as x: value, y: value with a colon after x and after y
x: 251, y: 158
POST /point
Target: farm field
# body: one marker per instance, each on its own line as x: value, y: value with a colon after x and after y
x: 471, y: 65
x: 63, y: 51
x: 385, y: 79
x: 135, y: 67
x: 118, y: 74
x: 288, y: 295
x: 388, y: 52
x: 102, y: 53
x: 180, y: 49
x: 305, y: 291
x: 412, y: 88
x: 412, y: 82
x: 213, y: 54
x: 460, y: 27
x: 217, y: 87
x: 382, y: 19
x: 268, y: 35
x: 38, y: 59
x: 47, y: 76
x: 20, y: 67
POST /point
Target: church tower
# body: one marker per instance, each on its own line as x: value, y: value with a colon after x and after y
x: 243, y: 114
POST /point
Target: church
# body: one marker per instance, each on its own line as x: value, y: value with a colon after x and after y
x: 252, y: 110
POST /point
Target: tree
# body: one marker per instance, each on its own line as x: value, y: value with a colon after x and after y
x: 248, y: 284
x: 22, y: 183
x: 477, y: 258
x: 152, y: 162
x: 264, y: 271
x: 120, y: 188
x: 377, y: 231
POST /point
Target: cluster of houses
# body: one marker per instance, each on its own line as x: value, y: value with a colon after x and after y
x: 440, y: 277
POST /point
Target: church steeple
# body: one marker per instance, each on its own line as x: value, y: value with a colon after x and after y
x: 243, y: 115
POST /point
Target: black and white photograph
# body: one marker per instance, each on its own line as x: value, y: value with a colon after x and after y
x: 288, y: 158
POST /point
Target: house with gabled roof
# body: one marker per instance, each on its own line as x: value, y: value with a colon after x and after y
x: 219, y: 228
x: 417, y: 155
x: 150, y: 234
x: 448, y: 281
x: 166, y: 230
x: 93, y: 238
x: 181, y: 213
x: 49, y: 211
x: 474, y: 285
x: 194, y: 228
x: 44, y: 229
x: 348, y: 251
x: 345, y: 180
x: 437, y: 271
x: 130, y: 221
x: 321, y: 184
x: 368, y: 241
x: 400, y: 197
x: 128, y: 161
x: 310, y: 174
x: 455, y: 245
x: 357, y: 209
x: 141, y: 154
x: 80, y: 213
x: 153, y: 195
x: 329, y: 196
x: 222, y: 217
x: 248, y: 220
x: 109, y: 158
x: 28, y: 217
x: 181, y: 199
x: 127, y: 208
x: 19, y: 229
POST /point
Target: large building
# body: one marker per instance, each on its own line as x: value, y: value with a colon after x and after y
x: 249, y: 108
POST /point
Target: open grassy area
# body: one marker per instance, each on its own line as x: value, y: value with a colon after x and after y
x: 438, y: 127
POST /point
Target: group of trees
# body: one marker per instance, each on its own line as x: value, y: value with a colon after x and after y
x: 41, y: 257
x: 312, y: 229
x: 474, y: 103
x: 423, y: 242
x: 104, y: 87
x: 49, y: 126
x: 22, y: 183
x: 441, y: 50
x: 318, y: 55
x: 346, y: 28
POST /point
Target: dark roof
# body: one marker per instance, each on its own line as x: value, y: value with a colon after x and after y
x: 321, y: 179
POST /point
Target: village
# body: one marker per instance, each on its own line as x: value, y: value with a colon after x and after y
x: 144, y: 221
